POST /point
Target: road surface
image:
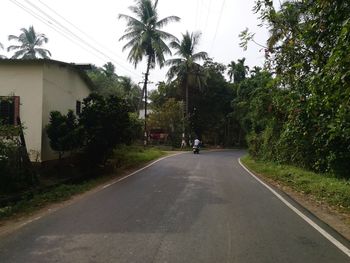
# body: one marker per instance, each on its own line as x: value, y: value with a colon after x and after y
x: 185, y: 208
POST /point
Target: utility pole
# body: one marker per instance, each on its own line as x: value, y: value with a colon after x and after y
x: 144, y: 93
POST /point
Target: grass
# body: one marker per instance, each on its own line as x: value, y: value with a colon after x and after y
x: 126, y: 157
x: 131, y: 156
x: 323, y: 187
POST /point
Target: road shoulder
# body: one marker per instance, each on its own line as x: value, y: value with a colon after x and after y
x: 331, y: 216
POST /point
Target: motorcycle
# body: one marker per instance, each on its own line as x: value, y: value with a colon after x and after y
x: 195, y: 149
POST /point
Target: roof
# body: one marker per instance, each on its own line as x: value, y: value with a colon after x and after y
x: 78, y: 68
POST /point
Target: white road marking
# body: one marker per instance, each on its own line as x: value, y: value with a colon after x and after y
x: 143, y: 168
x: 30, y: 221
x: 299, y: 213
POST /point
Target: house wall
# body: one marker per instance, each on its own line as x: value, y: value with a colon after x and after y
x: 26, y: 82
x: 62, y: 87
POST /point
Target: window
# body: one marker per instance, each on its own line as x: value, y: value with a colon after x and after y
x: 78, y: 107
x: 9, y: 110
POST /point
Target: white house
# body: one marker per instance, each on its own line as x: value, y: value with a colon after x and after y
x: 38, y: 87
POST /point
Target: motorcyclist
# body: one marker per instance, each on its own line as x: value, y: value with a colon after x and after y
x: 196, y: 142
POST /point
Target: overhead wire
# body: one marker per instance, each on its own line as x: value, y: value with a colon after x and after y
x: 49, y: 24
x: 207, y: 16
x: 217, y: 25
x: 84, y: 33
x: 67, y: 33
x: 80, y: 39
x: 196, y: 21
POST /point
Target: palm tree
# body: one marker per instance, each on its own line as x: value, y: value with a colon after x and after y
x: 109, y: 69
x: 145, y: 37
x: 30, y: 43
x: 231, y: 70
x: 185, y: 68
x: 237, y: 71
x: 256, y: 70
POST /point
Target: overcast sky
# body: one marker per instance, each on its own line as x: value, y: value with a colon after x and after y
x: 97, y: 29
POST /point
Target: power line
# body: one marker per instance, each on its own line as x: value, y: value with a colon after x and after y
x: 78, y: 37
x: 84, y: 33
x: 207, y: 17
x: 52, y: 26
x: 66, y: 32
x: 196, y: 21
x: 217, y: 25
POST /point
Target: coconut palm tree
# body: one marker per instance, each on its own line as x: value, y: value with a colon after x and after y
x: 231, y: 70
x: 185, y: 68
x: 30, y: 42
x: 237, y: 71
x: 145, y: 37
x: 109, y: 70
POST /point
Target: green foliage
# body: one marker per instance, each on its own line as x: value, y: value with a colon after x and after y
x: 108, y: 83
x: 64, y: 132
x: 323, y: 187
x: 106, y: 124
x: 13, y: 175
x: 126, y: 156
x: 169, y: 117
x: 131, y: 156
x: 309, y: 118
x: 164, y: 92
x: 30, y: 42
x: 144, y: 34
x: 185, y: 69
x: 211, y: 105
x: 237, y: 71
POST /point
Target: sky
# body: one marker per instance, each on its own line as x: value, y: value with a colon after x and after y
x: 86, y: 31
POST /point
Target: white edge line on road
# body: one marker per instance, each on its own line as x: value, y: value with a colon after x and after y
x: 107, y: 185
x: 139, y: 170
x: 299, y: 213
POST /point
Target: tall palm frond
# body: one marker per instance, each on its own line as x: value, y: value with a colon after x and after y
x: 30, y: 43
x: 185, y: 68
x: 146, y: 39
x: 144, y: 34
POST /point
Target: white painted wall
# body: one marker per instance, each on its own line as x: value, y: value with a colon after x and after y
x: 62, y: 87
x: 25, y: 81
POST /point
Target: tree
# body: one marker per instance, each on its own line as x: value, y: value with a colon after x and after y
x: 212, y: 104
x: 307, y: 53
x: 109, y: 70
x: 237, y: 71
x: 185, y: 68
x: 106, y: 124
x: 146, y: 39
x: 30, y: 43
x: 63, y: 132
x: 169, y: 118
x: 131, y: 93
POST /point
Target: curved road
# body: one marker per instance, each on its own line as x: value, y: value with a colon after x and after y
x: 185, y: 208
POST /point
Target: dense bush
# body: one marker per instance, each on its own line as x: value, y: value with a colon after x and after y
x: 106, y: 124
x: 14, y: 175
x: 103, y: 124
x: 308, y: 51
x: 64, y: 132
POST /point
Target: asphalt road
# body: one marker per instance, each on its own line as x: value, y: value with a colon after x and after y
x: 186, y: 208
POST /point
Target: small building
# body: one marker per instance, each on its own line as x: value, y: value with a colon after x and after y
x: 35, y: 88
